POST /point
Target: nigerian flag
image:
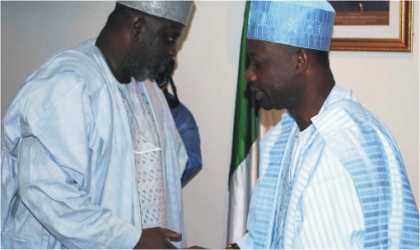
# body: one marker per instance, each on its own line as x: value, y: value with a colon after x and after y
x: 247, y: 131
x: 243, y: 168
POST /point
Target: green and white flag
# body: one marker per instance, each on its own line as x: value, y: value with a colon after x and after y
x: 248, y: 128
x: 243, y: 167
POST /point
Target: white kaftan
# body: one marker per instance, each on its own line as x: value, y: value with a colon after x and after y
x: 350, y: 188
x: 68, y: 177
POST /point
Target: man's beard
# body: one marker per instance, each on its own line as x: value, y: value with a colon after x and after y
x: 143, y: 71
x: 140, y: 61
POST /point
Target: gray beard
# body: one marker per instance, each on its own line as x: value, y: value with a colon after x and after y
x: 139, y: 70
x: 139, y: 62
x: 141, y: 75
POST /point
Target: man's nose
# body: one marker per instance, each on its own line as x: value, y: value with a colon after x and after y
x: 173, y: 51
x: 250, y: 75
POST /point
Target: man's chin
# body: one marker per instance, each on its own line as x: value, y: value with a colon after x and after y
x: 267, y: 108
x: 264, y: 105
x: 152, y: 77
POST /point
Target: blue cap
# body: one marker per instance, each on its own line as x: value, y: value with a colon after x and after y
x: 301, y: 24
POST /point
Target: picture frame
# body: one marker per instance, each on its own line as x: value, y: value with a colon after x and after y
x: 397, y: 36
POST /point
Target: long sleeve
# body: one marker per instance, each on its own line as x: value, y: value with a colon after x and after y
x: 58, y: 155
x: 247, y: 241
x: 60, y: 204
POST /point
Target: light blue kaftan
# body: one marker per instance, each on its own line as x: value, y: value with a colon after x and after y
x: 67, y: 169
x: 350, y: 188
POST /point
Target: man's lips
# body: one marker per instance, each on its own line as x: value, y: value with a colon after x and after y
x: 253, y: 89
x: 252, y: 86
x: 258, y: 94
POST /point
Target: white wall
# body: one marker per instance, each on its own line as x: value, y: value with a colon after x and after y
x: 385, y: 82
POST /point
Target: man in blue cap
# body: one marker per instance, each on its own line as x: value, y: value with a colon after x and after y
x: 331, y: 174
x: 90, y: 153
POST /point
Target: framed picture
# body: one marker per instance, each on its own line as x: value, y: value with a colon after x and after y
x: 366, y: 26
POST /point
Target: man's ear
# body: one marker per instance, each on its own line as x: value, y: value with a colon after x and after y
x: 137, y: 26
x: 300, y: 60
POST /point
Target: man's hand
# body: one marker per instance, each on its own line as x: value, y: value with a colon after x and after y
x: 157, y: 237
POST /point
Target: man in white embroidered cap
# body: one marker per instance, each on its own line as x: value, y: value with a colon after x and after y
x: 90, y: 153
x: 331, y: 174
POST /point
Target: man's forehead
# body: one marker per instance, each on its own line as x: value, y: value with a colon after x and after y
x: 166, y: 26
x: 173, y: 28
x: 261, y: 50
x: 256, y: 44
x: 174, y: 25
x: 255, y: 49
